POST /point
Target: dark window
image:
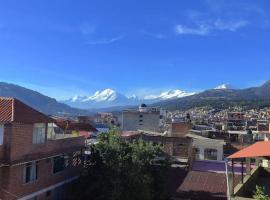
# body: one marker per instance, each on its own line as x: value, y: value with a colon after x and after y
x: 210, y: 154
x: 48, y: 193
x: 141, y: 115
x: 60, y: 163
x: 30, y: 172
x: 141, y: 120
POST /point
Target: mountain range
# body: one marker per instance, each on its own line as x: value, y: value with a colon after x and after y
x: 109, y: 100
x: 112, y: 98
x: 223, y: 97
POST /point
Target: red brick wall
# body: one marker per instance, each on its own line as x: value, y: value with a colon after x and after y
x: 18, y: 148
x: 12, y: 181
x: 180, y: 129
x: 22, y: 147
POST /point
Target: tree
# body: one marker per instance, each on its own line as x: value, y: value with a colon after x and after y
x: 121, y: 170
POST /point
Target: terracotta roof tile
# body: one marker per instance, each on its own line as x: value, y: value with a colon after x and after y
x: 13, y: 110
x: 259, y: 149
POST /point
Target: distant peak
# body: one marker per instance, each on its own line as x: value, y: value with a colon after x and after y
x: 224, y: 86
x: 267, y: 83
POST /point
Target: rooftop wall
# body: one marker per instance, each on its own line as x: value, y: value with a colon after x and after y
x: 20, y: 148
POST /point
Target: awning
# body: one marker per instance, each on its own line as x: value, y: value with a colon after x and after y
x: 259, y: 149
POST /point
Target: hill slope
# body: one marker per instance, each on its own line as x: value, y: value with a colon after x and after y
x: 37, y: 100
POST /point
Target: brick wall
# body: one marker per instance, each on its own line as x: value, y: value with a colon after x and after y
x: 12, y: 179
x: 23, y: 149
x: 18, y: 148
x: 180, y: 129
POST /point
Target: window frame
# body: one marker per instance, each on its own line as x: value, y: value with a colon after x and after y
x: 210, y: 156
x: 39, y: 137
x: 2, y: 131
x: 64, y: 164
x: 33, y: 168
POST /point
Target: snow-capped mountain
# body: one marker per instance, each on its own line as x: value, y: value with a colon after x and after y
x: 111, y: 98
x: 224, y: 86
x: 105, y: 95
x: 172, y: 94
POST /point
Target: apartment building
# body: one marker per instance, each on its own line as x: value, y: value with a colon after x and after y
x: 236, y: 121
x: 145, y: 118
x: 32, y: 164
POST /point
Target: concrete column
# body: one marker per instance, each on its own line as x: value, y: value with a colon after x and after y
x: 248, y: 166
x: 257, y: 162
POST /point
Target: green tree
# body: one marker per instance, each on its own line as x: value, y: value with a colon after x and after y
x: 259, y: 194
x: 121, y: 170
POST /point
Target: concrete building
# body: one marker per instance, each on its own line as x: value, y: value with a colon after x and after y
x: 145, y: 118
x: 33, y: 165
x: 236, y: 121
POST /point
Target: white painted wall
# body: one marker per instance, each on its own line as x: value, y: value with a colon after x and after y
x: 203, y: 144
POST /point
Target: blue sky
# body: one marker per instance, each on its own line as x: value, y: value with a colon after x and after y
x: 64, y: 48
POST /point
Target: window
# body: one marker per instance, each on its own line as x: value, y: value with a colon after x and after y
x: 141, y: 116
x: 50, y: 131
x: 48, y: 193
x: 1, y: 134
x: 210, y: 154
x: 39, y: 133
x: 30, y: 172
x: 60, y: 163
x: 197, y: 153
x: 140, y: 120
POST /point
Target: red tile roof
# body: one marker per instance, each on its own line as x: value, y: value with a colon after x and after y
x: 259, y: 149
x: 13, y: 110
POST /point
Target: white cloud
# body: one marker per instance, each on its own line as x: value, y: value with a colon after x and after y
x: 105, y: 40
x: 203, y: 28
x: 199, y: 30
x: 230, y: 25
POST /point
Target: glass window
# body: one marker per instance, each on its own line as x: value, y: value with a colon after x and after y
x: 210, y: 154
x: 39, y: 133
x: 50, y: 131
x: 60, y: 163
x: 30, y: 172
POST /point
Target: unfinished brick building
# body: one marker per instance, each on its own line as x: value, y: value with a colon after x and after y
x: 33, y: 164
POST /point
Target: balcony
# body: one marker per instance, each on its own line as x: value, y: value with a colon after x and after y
x: 54, y: 146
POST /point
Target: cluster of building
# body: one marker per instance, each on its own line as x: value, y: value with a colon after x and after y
x: 200, y: 149
x: 221, y: 158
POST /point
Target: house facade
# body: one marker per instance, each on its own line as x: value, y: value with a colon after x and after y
x: 33, y: 165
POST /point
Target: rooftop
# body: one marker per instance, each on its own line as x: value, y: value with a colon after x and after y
x: 259, y: 149
x: 13, y: 110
